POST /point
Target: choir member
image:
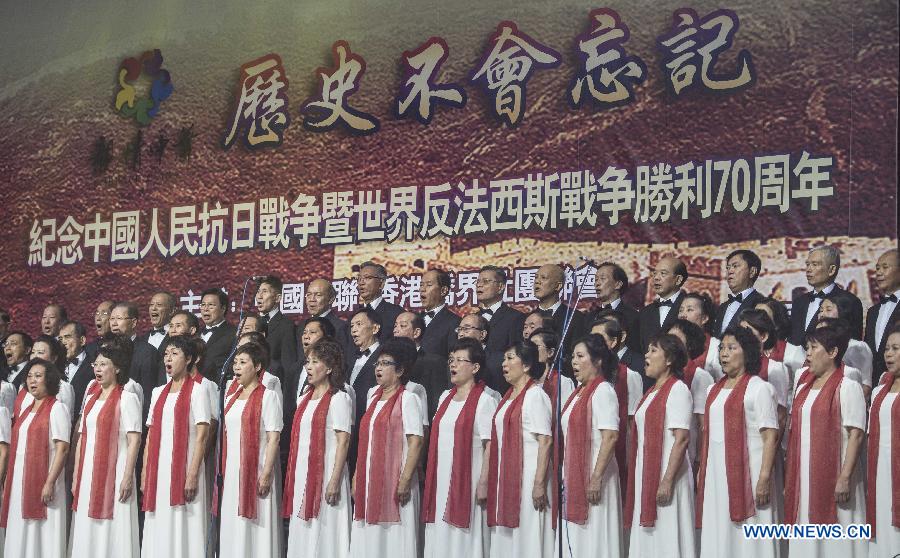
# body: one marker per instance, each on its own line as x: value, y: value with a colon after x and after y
x: 591, y: 420
x: 534, y: 320
x: 280, y: 330
x: 610, y: 284
x: 735, y: 484
x: 365, y: 329
x: 370, y: 282
x: 317, y: 487
x: 606, y: 322
x: 557, y: 387
x: 770, y: 370
x: 475, y: 326
x: 5, y: 431
x: 792, y: 356
x: 570, y: 323
x: 881, y: 317
x: 101, y: 327
x: 440, y: 322
x: 252, y: 322
x: 883, y: 459
x: 79, y: 364
x: 104, y: 498
x: 173, y: 478
x: 33, y: 511
x: 385, y: 483
x: 161, y: 308
x: 742, y: 269
x: 505, y: 322
x: 659, y: 497
x: 824, y: 482
x: 266, y: 378
x: 694, y: 376
x: 457, y: 468
x: 249, y: 520
x: 629, y: 384
x: 822, y: 266
x: 319, y: 297
x: 518, y: 471
x: 123, y: 345
x: 698, y: 308
x: 667, y: 281
x: 145, y: 360
x: 858, y: 354
x: 52, y: 319
x: 17, y: 350
x: 431, y: 370
x: 216, y: 332
x: 50, y: 349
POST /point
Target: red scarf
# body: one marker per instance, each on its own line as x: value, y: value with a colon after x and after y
x: 654, y: 426
x: 249, y: 473
x: 106, y: 452
x: 179, y: 443
x: 700, y: 361
x: 378, y: 503
x: 577, y: 464
x: 764, y: 368
x: 37, y: 459
x: 17, y: 405
x: 778, y: 351
x: 315, y: 463
x: 550, y: 385
x: 887, y: 379
x: 737, y: 458
x: 235, y: 384
x: 505, y: 493
x: 459, y: 499
x: 824, y: 452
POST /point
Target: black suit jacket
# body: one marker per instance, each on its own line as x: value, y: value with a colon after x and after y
x: 504, y: 328
x: 431, y: 372
x: 364, y: 382
x: 631, y: 325
x: 440, y: 334
x: 341, y: 330
x: 147, y: 370
x: 493, y: 376
x: 283, y: 347
x: 649, y: 320
x: 80, y: 380
x: 577, y: 329
x: 217, y: 350
x: 878, y: 365
x: 801, y: 304
x: 388, y: 313
x: 751, y: 301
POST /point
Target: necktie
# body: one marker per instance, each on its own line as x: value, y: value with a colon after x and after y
x: 735, y: 298
x: 891, y: 298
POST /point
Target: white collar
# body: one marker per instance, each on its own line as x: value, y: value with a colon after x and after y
x: 746, y: 292
x: 325, y: 313
x: 671, y: 297
x: 621, y: 352
x: 375, y: 302
x: 371, y: 348
x: 494, y: 307
x: 271, y: 313
x: 552, y: 309
x: 826, y: 290
x: 214, y: 326
x: 434, y: 311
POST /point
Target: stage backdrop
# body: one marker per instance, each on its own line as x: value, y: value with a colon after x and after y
x: 183, y: 145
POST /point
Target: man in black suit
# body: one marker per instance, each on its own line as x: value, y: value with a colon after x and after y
x: 475, y: 326
x: 882, y: 317
x: 742, y: 269
x: 610, y: 283
x: 505, y: 322
x: 53, y: 317
x: 365, y: 328
x: 145, y: 362
x: 17, y: 349
x: 101, y: 325
x: 217, y: 333
x: 79, y: 368
x: 5, y: 320
x: 319, y: 297
x: 667, y: 280
x: 440, y: 323
x: 548, y: 285
x: 280, y: 330
x: 370, y: 282
x: 162, y: 307
x: 822, y: 266
x: 430, y: 370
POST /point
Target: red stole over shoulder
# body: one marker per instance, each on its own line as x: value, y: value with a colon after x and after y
x: 249, y: 473
x: 779, y: 350
x: 106, y: 452
x: 737, y: 458
x: 694, y: 364
x: 235, y: 385
x: 179, y: 445
x: 459, y: 501
x: 505, y: 492
x: 824, y: 452
x: 887, y: 379
x: 376, y: 501
x: 764, y: 368
x: 37, y: 459
x: 654, y: 426
x: 577, y: 464
x: 315, y: 463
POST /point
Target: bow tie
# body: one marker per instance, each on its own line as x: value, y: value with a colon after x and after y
x: 602, y: 307
x: 735, y: 298
x: 158, y: 331
x: 429, y: 314
x: 73, y: 361
x: 486, y: 312
x: 548, y: 312
x: 668, y: 303
x: 360, y: 354
x: 890, y: 298
x: 814, y: 295
x: 366, y: 306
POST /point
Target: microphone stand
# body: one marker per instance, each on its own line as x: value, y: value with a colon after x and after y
x: 219, y: 479
x: 574, y: 299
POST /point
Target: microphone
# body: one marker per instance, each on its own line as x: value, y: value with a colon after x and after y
x: 589, y: 261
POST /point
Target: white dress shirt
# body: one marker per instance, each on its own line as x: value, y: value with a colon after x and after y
x: 814, y: 305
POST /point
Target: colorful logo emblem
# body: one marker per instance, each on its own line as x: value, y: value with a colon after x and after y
x: 143, y: 109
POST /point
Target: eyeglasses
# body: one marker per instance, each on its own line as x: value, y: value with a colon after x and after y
x: 100, y: 314
x: 384, y: 363
x: 451, y: 361
x: 467, y: 328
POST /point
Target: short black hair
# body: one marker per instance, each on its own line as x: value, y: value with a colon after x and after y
x: 120, y: 356
x: 752, y: 260
x: 474, y: 350
x: 52, y: 375
x: 831, y: 338
x: 707, y: 307
x: 273, y: 281
x: 443, y: 278
x: 694, y: 334
x: 130, y: 307
x: 258, y: 354
x: 675, y: 352
x: 613, y: 329
x: 749, y: 345
x: 27, y: 341
x: 680, y: 269
x: 192, y: 320
x: 780, y: 316
x: 79, y: 329
x: 258, y: 326
x: 760, y: 321
x: 548, y: 336
x: 380, y: 270
x: 63, y: 315
x: 496, y: 270
x: 618, y: 274
x: 373, y: 317
x: 56, y: 348
x: 219, y: 293
x: 187, y: 346
x: 404, y: 353
x: 527, y: 351
x: 327, y: 327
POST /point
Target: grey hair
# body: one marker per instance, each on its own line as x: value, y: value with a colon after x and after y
x: 380, y: 271
x: 832, y: 255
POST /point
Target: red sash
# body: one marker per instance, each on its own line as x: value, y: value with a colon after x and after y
x: 378, y: 503
x: 315, y: 462
x: 249, y: 473
x: 37, y: 459
x: 887, y: 379
x: 577, y: 464
x: 505, y: 493
x: 459, y: 500
x: 179, y: 443
x: 106, y: 453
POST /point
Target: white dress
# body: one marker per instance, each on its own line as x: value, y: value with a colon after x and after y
x: 416, y: 389
x: 116, y: 537
x: 673, y: 534
x: 392, y: 540
x: 240, y: 537
x: 859, y: 356
x: 66, y: 396
x: 129, y: 386
x: 887, y: 537
x: 38, y: 538
x: 534, y: 536
x: 443, y: 540
x: 720, y: 536
x: 5, y: 437
x: 700, y: 385
x: 601, y: 536
x: 566, y: 387
x: 7, y: 397
x: 181, y: 531
x: 328, y: 535
x: 635, y: 391
x: 853, y: 414
x: 712, y: 364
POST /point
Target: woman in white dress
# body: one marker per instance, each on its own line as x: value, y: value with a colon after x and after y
x: 249, y: 519
x: 519, y: 464
x: 858, y: 354
x: 173, y: 477
x: 5, y: 433
x: 883, y: 460
x: 456, y: 472
x: 735, y: 483
x: 385, y: 483
x: 792, y: 356
x: 698, y: 308
x: 34, y: 499
x: 659, y: 498
x: 7, y: 395
x: 771, y: 370
x: 270, y: 381
x: 317, y: 483
x: 547, y: 342
x: 104, y: 499
x: 824, y: 480
x: 590, y: 423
